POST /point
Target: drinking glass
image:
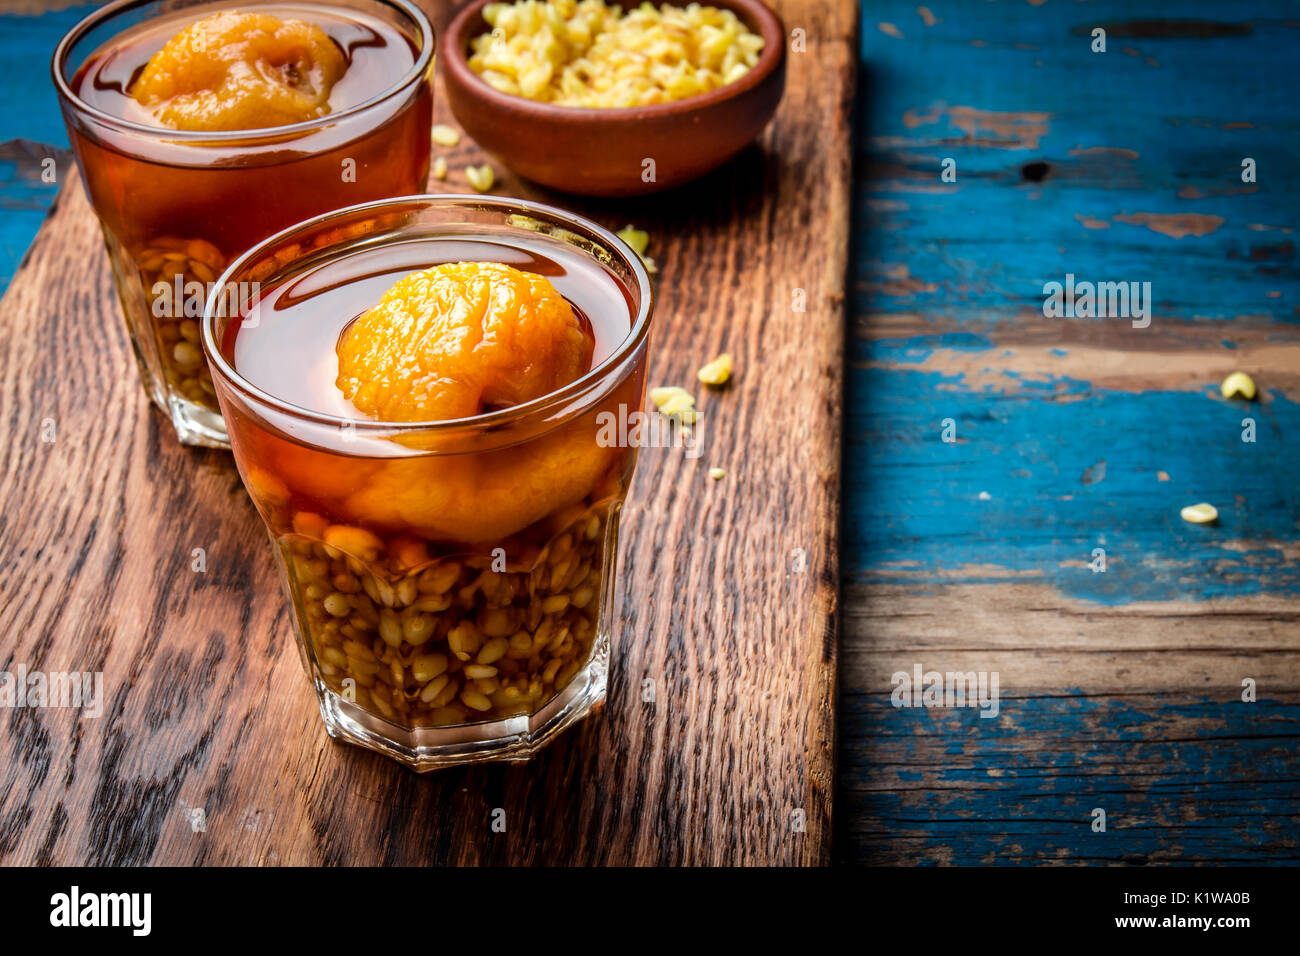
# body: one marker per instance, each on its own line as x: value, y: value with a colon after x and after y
x: 451, y: 582
x: 176, y: 206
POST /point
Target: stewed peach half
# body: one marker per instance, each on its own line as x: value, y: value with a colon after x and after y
x: 460, y: 339
x: 241, y: 71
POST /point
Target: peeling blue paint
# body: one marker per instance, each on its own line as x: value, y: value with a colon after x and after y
x: 1021, y: 788
x: 914, y: 498
x: 1153, y: 126
x: 29, y: 110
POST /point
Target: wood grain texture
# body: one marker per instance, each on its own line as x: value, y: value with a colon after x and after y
x: 206, y: 703
x: 1136, y: 709
x: 1120, y: 690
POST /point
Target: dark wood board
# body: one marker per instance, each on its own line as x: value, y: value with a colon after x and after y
x: 728, y: 589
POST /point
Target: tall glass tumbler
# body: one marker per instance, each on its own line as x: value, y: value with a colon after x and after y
x: 176, y: 206
x: 452, y: 582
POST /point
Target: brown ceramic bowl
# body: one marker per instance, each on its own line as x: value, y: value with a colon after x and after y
x: 600, y: 152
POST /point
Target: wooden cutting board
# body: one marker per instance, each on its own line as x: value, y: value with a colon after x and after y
x: 727, y: 589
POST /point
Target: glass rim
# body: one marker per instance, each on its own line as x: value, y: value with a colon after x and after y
x: 225, y: 137
x: 636, y: 334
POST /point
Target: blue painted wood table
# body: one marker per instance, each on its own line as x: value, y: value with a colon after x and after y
x: 1042, y: 540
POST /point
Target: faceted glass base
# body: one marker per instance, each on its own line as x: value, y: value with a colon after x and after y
x: 196, y: 425
x: 514, y: 739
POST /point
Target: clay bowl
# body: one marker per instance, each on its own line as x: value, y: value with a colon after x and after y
x: 602, y: 152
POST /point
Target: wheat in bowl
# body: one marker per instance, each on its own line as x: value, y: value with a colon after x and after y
x: 587, y: 53
x: 580, y: 96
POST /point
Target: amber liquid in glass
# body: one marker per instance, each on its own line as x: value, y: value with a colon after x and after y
x: 443, y: 588
x: 290, y: 350
x: 174, y: 214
